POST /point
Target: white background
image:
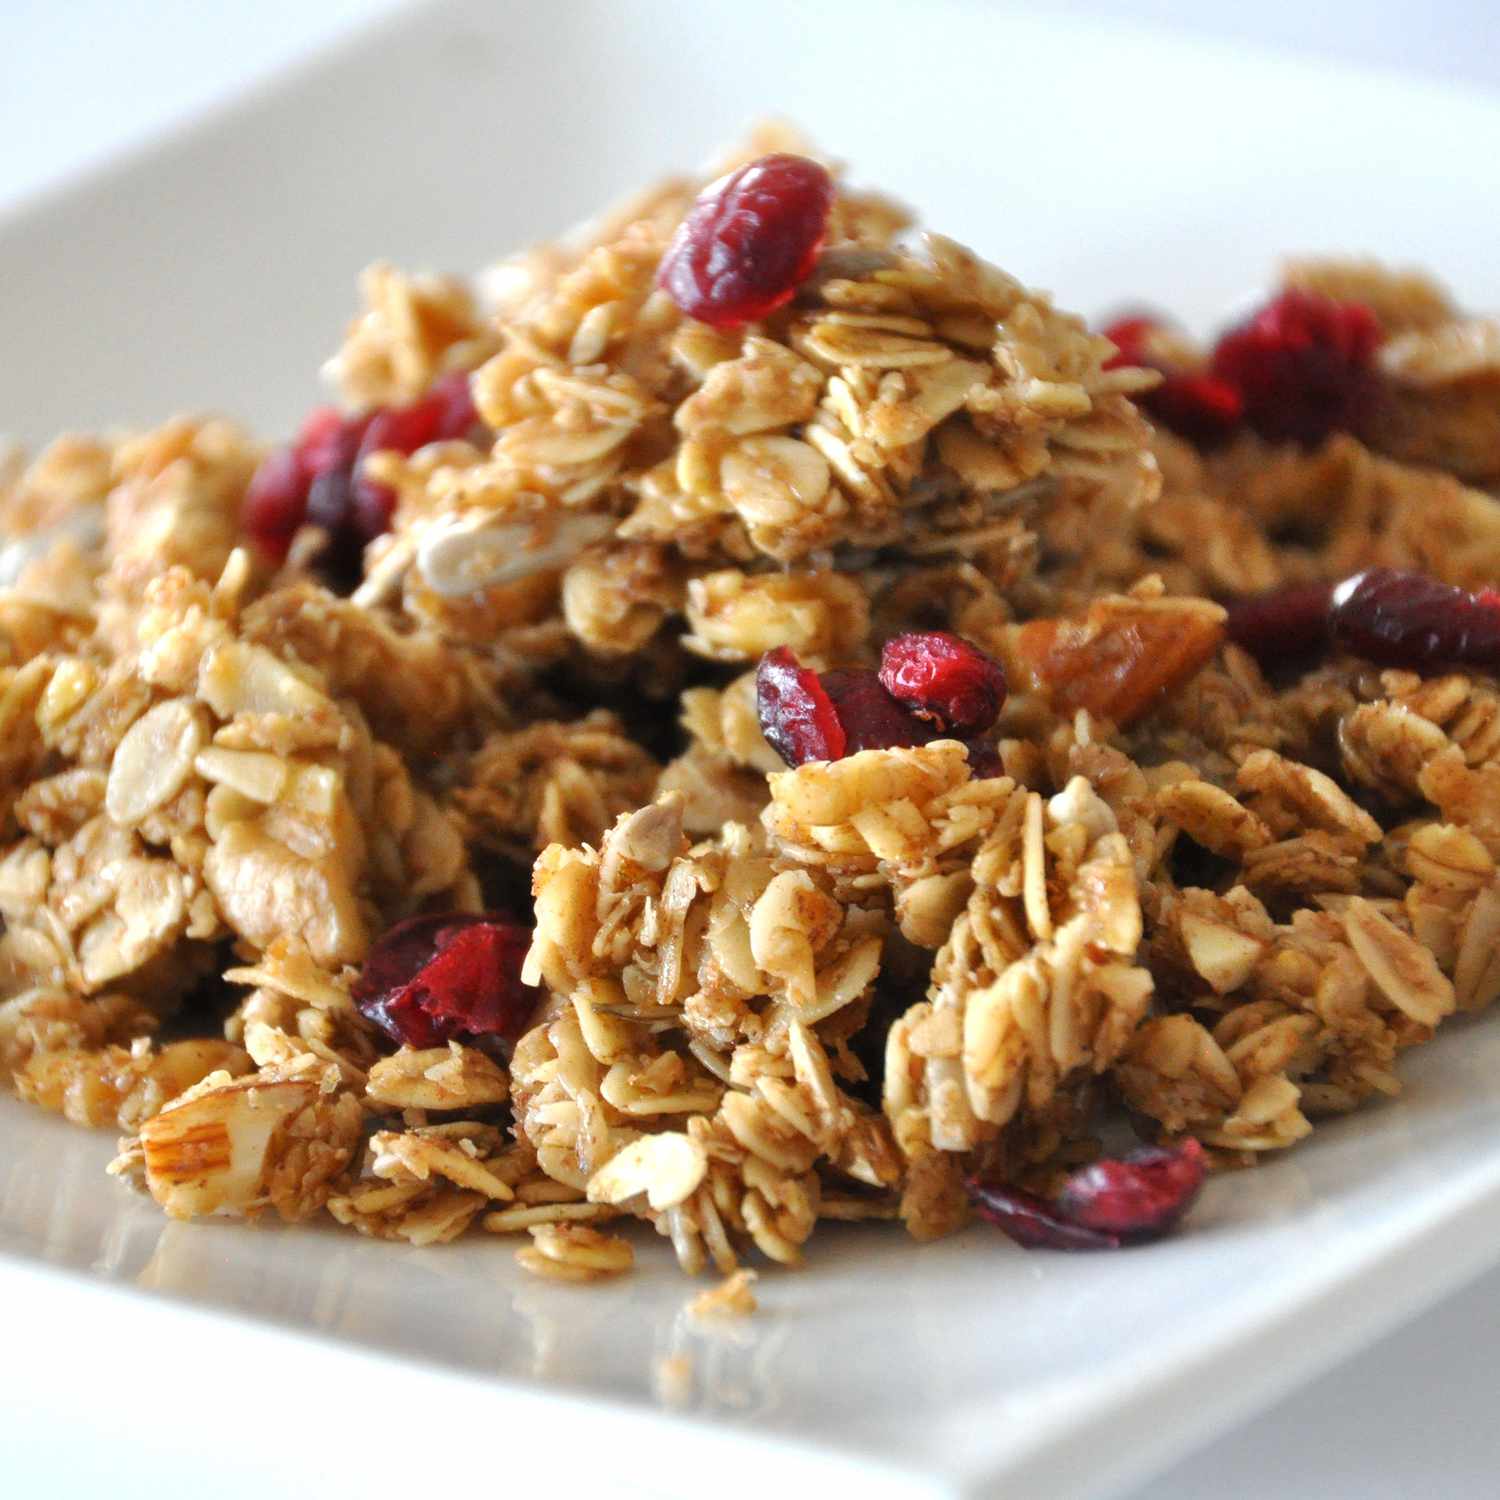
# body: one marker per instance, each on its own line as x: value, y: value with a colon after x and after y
x: 81, y: 80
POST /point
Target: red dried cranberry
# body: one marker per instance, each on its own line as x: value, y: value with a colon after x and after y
x: 327, y: 438
x: 797, y: 716
x: 454, y: 397
x: 275, y: 502
x: 374, y: 505
x: 402, y: 428
x: 872, y: 719
x: 807, y: 715
x: 944, y: 679
x: 748, y: 242
x: 1142, y: 1194
x: 445, y: 412
x: 1304, y: 366
x: 1033, y: 1222
x: 1113, y: 1202
x: 1401, y: 619
x: 1132, y: 338
x: 984, y: 759
x: 330, y: 499
x: 292, y: 488
x: 1284, y: 625
x: 1200, y: 407
x: 331, y: 508
x: 435, y: 978
x: 317, y: 481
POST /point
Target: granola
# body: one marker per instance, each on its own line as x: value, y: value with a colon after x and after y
x: 433, y: 750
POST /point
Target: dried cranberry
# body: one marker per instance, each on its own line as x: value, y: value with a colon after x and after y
x: 1402, y: 619
x: 1142, y: 1194
x: 445, y: 412
x: 808, y: 715
x: 402, y: 428
x: 1197, y: 406
x: 1284, y: 625
x: 984, y: 759
x: 456, y: 414
x: 275, y: 503
x: 330, y: 500
x: 331, y: 505
x: 1033, y: 1222
x: 435, y: 978
x: 797, y: 716
x: 327, y: 439
x: 317, y: 481
x: 374, y: 506
x: 1106, y: 1205
x: 872, y: 719
x: 1304, y: 366
x: 1202, y: 408
x: 1132, y: 338
x: 748, y: 242
x: 305, y: 484
x: 944, y: 679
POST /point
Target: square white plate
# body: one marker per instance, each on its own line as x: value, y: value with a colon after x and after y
x: 217, y: 270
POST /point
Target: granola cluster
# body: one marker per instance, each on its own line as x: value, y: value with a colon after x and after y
x: 1216, y: 895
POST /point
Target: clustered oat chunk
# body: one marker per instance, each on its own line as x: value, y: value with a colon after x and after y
x: 765, y: 995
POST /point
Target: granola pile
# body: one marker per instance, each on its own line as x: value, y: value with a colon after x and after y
x: 392, y: 831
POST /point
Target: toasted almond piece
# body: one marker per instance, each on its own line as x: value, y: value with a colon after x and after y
x: 1122, y: 659
x: 208, y: 1153
x: 1403, y: 970
x: 239, y: 678
x: 154, y: 760
x: 1224, y: 956
x: 667, y: 1168
x: 254, y: 774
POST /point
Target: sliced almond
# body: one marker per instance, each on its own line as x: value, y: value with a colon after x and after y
x: 154, y: 760
x: 1403, y: 970
x: 667, y: 1168
x: 209, y: 1154
x: 1222, y: 955
x: 239, y: 678
x: 255, y: 774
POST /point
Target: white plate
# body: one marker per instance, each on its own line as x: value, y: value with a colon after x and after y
x: 217, y: 270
